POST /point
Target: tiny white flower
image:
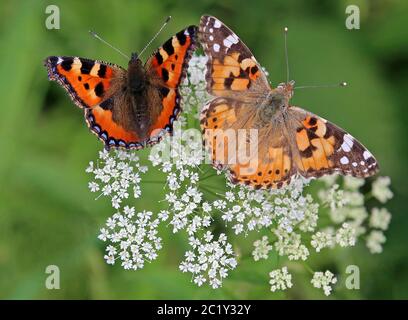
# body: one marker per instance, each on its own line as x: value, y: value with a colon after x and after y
x: 93, y: 186
x: 199, y: 280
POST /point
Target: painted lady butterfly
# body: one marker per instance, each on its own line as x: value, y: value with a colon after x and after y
x: 290, y: 140
x: 129, y: 108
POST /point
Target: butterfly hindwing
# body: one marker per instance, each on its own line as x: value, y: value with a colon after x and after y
x: 259, y: 155
x: 231, y: 67
x: 113, y: 122
x: 168, y: 65
x: 324, y: 148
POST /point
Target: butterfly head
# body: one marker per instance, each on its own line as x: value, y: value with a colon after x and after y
x: 134, y: 57
x: 286, y: 89
x: 136, y: 75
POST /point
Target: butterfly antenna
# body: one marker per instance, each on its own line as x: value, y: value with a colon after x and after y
x: 286, y: 53
x: 108, y: 44
x: 341, y: 84
x: 155, y: 36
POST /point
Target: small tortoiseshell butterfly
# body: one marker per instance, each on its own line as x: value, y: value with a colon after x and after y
x: 291, y: 140
x: 129, y: 108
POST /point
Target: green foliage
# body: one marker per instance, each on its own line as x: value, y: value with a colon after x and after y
x: 47, y: 215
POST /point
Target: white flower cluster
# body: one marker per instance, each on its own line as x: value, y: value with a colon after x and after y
x: 248, y: 209
x: 290, y: 244
x: 323, y: 239
x: 346, y: 236
x: 379, y: 221
x: 209, y: 260
x: 262, y: 248
x: 180, y: 158
x: 334, y: 197
x: 381, y: 189
x: 375, y: 240
x: 324, y: 281
x: 193, y: 89
x: 352, y: 213
x: 380, y: 218
x: 133, y: 237
x: 116, y: 174
x: 299, y: 224
x: 281, y: 279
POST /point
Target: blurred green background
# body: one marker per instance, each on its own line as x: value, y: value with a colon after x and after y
x: 47, y: 214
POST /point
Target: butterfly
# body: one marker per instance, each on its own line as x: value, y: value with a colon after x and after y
x: 130, y: 108
x: 290, y: 141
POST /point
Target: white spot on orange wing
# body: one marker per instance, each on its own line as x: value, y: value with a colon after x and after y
x: 95, y: 69
x: 76, y: 65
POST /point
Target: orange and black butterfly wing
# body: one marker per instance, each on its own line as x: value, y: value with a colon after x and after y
x: 113, y: 122
x: 320, y: 147
x: 88, y: 82
x: 96, y: 87
x: 232, y: 70
x: 166, y: 69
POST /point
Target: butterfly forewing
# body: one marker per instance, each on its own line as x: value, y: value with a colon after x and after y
x: 166, y: 69
x: 231, y: 67
x: 88, y: 82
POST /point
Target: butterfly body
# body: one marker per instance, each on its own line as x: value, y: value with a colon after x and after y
x: 274, y: 106
x: 289, y: 141
x: 135, y: 88
x: 131, y: 108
